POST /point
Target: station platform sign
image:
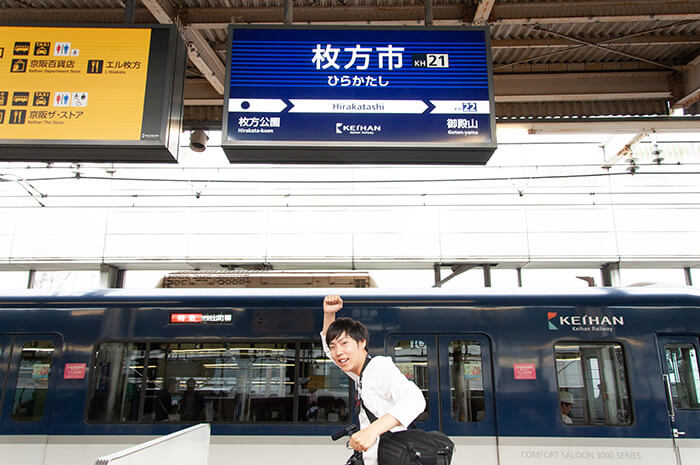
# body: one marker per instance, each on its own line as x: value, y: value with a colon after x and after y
x: 359, y: 95
x: 99, y: 94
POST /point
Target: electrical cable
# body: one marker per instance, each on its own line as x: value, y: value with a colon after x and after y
x: 357, y: 181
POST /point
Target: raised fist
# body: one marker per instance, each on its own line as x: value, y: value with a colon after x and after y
x: 332, y: 303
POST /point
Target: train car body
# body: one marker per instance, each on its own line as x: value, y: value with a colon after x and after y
x: 595, y: 377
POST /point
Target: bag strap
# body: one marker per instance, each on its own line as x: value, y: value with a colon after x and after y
x: 371, y: 416
x: 364, y: 365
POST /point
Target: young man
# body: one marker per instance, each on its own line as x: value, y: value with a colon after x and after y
x: 384, y: 390
x: 566, y: 401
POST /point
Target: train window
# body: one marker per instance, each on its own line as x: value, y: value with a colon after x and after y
x: 323, y: 388
x: 592, y: 383
x: 466, y: 382
x: 117, y: 382
x: 218, y: 382
x: 32, y: 381
x: 684, y: 376
x: 222, y: 382
x: 411, y: 358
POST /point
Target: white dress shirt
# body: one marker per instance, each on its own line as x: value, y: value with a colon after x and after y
x: 384, y: 390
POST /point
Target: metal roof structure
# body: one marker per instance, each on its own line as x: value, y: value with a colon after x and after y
x: 551, y: 58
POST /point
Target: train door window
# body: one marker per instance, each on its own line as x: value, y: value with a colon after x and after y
x: 32, y: 381
x: 466, y: 381
x: 592, y: 384
x: 411, y: 358
x: 683, y: 374
x: 117, y: 382
x: 323, y: 388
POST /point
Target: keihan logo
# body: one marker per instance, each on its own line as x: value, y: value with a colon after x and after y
x: 584, y: 322
x: 366, y: 129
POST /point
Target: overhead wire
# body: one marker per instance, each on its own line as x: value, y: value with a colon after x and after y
x: 357, y: 194
x: 356, y: 181
x: 208, y: 191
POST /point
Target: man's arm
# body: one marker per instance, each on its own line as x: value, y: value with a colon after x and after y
x: 331, y: 305
x: 408, y: 404
x: 365, y: 438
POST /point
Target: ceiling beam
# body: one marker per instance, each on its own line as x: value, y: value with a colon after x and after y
x: 554, y: 43
x: 644, y: 41
x: 220, y: 18
x: 564, y: 96
x: 483, y: 11
x: 73, y: 15
x: 619, y: 126
x: 199, y: 92
x: 200, y: 53
x: 161, y: 10
x: 345, y: 14
x: 582, y: 86
x: 509, y: 13
x: 598, y: 19
x: 595, y: 11
x: 690, y: 85
x: 411, y: 13
x: 205, y: 58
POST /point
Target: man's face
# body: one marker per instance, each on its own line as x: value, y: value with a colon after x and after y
x: 565, y: 408
x: 348, y: 353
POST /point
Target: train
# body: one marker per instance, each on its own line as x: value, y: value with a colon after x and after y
x: 596, y: 376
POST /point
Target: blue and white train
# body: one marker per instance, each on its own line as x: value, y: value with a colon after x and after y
x: 602, y: 376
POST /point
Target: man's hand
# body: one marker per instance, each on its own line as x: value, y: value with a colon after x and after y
x: 363, y: 439
x: 332, y: 303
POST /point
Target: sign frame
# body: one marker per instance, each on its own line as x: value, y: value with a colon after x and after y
x: 338, y: 152
x: 163, y: 109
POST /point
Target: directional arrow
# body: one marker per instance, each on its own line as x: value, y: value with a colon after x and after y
x: 357, y: 106
x: 256, y: 105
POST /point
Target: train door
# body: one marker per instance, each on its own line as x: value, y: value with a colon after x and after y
x: 681, y: 376
x: 454, y: 373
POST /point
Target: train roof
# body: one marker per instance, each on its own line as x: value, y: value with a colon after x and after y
x: 644, y: 296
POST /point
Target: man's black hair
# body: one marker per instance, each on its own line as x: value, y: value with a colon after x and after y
x: 354, y: 329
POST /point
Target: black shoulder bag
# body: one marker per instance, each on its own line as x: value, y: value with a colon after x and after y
x: 413, y: 446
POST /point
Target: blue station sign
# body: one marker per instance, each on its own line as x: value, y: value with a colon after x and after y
x: 359, y: 95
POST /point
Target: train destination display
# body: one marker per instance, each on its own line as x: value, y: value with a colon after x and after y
x: 359, y: 95
x: 90, y: 94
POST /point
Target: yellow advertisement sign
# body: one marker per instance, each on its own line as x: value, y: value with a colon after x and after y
x: 72, y: 83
